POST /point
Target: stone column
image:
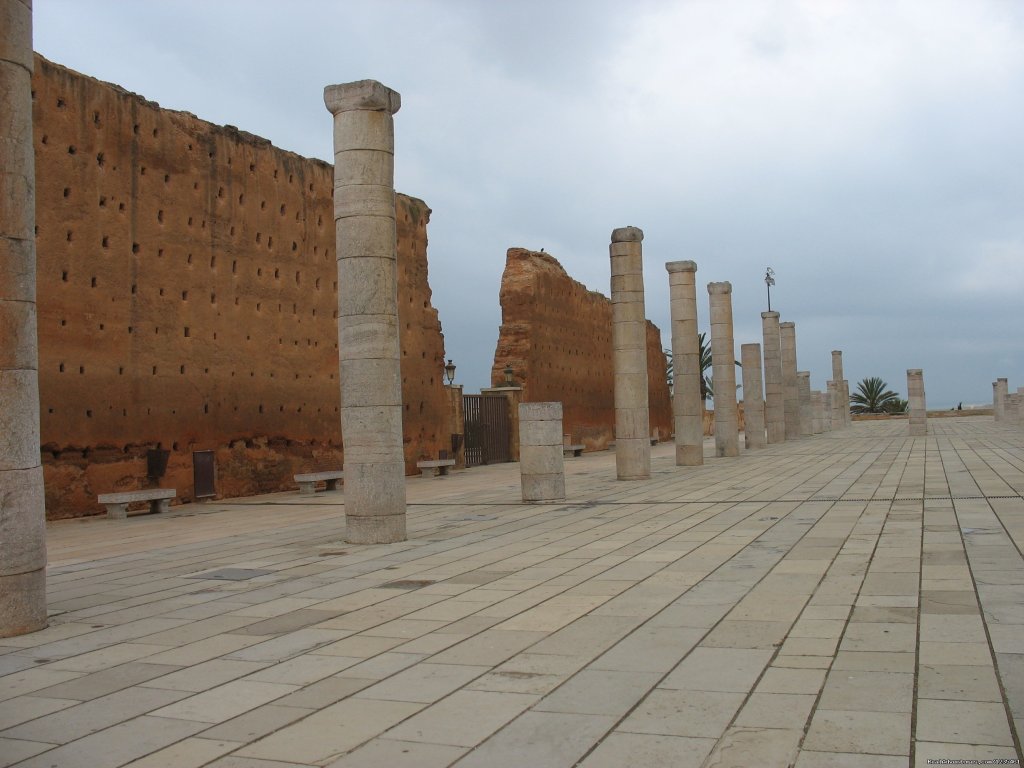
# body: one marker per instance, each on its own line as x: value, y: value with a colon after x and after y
x: 541, y: 460
x: 1000, y: 388
x: 1020, y: 407
x: 842, y: 390
x: 723, y: 370
x: 833, y: 414
x: 790, y: 394
x: 686, y: 404
x: 916, y: 403
x: 753, y: 400
x: 1011, y: 410
x: 629, y: 351
x: 774, y: 406
x: 368, y: 340
x: 806, y: 412
x: 22, y: 506
x: 826, y: 404
x: 817, y: 412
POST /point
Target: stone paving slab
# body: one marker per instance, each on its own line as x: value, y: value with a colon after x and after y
x: 854, y: 598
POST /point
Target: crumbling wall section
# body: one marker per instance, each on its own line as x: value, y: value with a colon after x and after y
x: 187, y: 293
x: 557, y: 336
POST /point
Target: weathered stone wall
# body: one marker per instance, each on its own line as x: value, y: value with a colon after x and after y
x: 557, y: 336
x: 187, y: 293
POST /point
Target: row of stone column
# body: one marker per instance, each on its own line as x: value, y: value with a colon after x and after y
x: 1007, y: 407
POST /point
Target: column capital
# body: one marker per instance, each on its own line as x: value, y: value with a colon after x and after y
x: 724, y: 287
x: 368, y: 95
x: 915, y: 372
x: 627, y: 235
x: 787, y: 324
x: 766, y: 315
x: 681, y: 266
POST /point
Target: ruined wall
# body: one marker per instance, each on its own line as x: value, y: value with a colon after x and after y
x: 187, y: 293
x: 557, y: 336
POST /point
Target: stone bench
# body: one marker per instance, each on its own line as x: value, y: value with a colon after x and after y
x: 308, y: 480
x: 573, y: 450
x: 434, y: 467
x: 117, y: 503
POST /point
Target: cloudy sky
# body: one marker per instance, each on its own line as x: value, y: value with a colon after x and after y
x: 870, y: 152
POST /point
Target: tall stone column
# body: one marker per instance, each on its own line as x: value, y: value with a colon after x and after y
x: 833, y: 411
x: 22, y: 506
x: 368, y: 341
x: 817, y: 412
x: 629, y: 350
x: 842, y: 388
x: 790, y: 394
x: 723, y: 370
x: 774, y: 405
x: 541, y: 459
x: 1011, y: 409
x: 803, y: 382
x: 1000, y: 388
x: 826, y: 405
x: 916, y: 403
x: 753, y: 400
x: 1020, y: 407
x: 686, y: 404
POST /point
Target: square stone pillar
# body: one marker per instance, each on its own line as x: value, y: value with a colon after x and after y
x: 1000, y: 389
x: 368, y: 338
x: 841, y: 401
x: 753, y: 401
x: 790, y: 387
x: 916, y: 403
x: 687, y: 408
x: 1011, y: 411
x: 774, y: 405
x: 803, y: 379
x: 826, y: 403
x: 817, y: 412
x: 541, y: 459
x: 1020, y: 407
x: 723, y: 370
x: 22, y: 506
x: 629, y: 353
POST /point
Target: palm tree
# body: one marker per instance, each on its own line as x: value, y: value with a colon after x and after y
x: 706, y: 389
x: 874, y: 396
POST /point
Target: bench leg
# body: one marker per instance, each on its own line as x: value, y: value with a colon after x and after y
x: 427, y: 472
x: 442, y: 470
x: 307, y: 489
x: 117, y: 511
x: 331, y: 485
x: 160, y: 506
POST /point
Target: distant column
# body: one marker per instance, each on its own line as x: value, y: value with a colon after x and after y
x: 1000, y: 389
x: 22, y: 506
x: 686, y: 404
x: 791, y: 396
x: 753, y: 401
x: 723, y: 370
x: 834, y: 409
x: 541, y: 459
x: 817, y: 412
x: 842, y: 401
x: 826, y: 404
x: 803, y: 379
x: 368, y: 346
x: 916, y: 403
x: 1020, y: 407
x: 629, y: 349
x: 1011, y: 411
x: 774, y: 405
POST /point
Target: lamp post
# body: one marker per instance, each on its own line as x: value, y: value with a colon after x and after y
x: 449, y: 372
x: 769, y: 281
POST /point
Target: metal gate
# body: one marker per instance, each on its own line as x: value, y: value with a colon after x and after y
x: 486, y: 430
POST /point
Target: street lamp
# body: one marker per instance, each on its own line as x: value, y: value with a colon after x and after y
x: 449, y: 372
x: 769, y: 280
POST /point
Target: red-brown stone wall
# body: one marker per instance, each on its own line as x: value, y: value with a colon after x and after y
x: 557, y: 336
x: 187, y: 298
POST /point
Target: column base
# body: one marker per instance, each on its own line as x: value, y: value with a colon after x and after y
x: 375, y: 529
x: 23, y: 603
x: 689, y: 455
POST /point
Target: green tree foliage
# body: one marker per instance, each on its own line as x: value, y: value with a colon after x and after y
x: 874, y: 396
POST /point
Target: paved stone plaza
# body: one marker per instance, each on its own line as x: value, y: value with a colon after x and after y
x: 849, y: 599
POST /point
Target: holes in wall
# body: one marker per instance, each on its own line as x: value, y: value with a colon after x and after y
x: 282, y: 209
x: 184, y: 296
x: 181, y: 370
x: 71, y: 149
x: 220, y: 192
x: 135, y: 247
x: 61, y: 368
x: 103, y: 201
x: 295, y: 246
x: 92, y: 283
x: 167, y: 178
x: 45, y: 139
x: 135, y: 129
x: 259, y: 236
x: 67, y: 191
x: 120, y: 207
x: 99, y: 159
x: 187, y: 332
x: 213, y: 298
x: 160, y: 216
x: 188, y: 259
x: 234, y: 266
x: 64, y: 275
x: 142, y: 171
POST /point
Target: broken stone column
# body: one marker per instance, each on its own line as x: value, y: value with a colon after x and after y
x: 686, y: 403
x: 833, y: 412
x: 790, y: 392
x: 1011, y: 410
x: 916, y: 403
x: 629, y: 350
x: 803, y: 379
x: 841, y: 386
x: 753, y: 400
x: 774, y: 406
x: 368, y: 340
x: 1000, y: 389
x: 723, y: 370
x: 541, y: 459
x: 22, y: 506
x: 826, y: 404
x: 817, y: 412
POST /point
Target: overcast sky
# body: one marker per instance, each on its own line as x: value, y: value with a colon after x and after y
x: 872, y: 153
